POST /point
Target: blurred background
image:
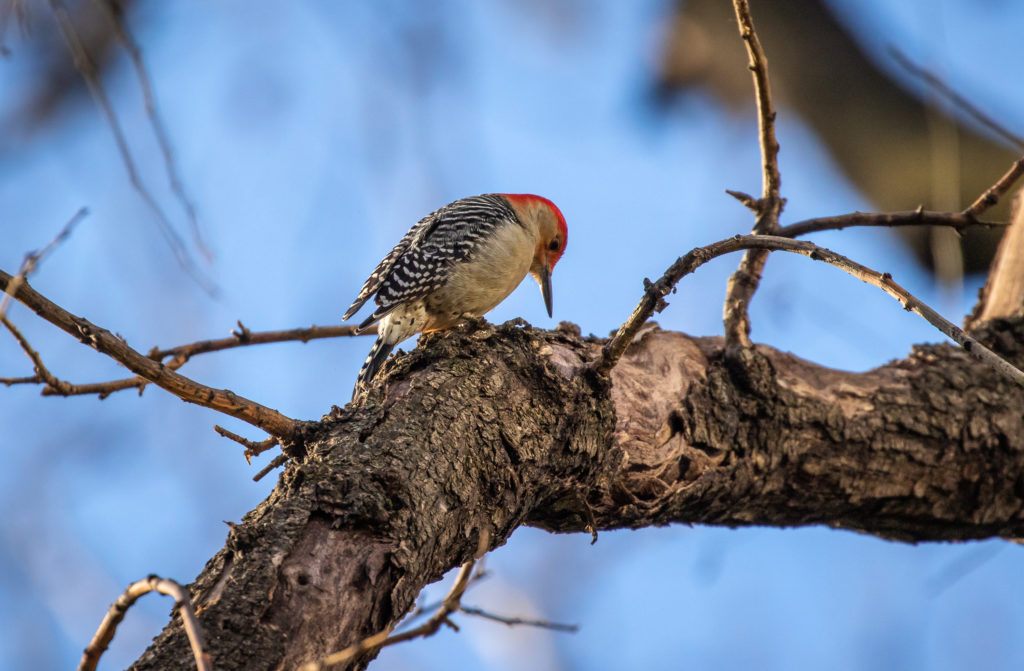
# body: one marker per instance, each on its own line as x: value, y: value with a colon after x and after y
x: 310, y: 135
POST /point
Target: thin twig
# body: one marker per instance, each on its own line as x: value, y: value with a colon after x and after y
x: 159, y: 129
x: 181, y: 354
x: 33, y: 259
x: 654, y: 296
x: 918, y: 217
x: 513, y: 621
x: 279, y: 460
x: 743, y: 283
x: 43, y: 375
x: 420, y: 611
x: 252, y: 448
x: 117, y: 611
x: 994, y: 193
x: 758, y: 63
x: 384, y: 638
x: 745, y: 199
x: 86, y: 67
x: 102, y: 340
x: 958, y: 100
x: 247, y: 337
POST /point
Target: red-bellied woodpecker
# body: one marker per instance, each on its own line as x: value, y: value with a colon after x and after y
x: 458, y: 262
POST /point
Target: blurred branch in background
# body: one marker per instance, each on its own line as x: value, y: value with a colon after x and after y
x: 33, y: 259
x: 115, y: 16
x: 91, y: 74
x: 876, y: 130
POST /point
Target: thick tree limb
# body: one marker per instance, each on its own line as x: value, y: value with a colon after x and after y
x: 1003, y: 293
x: 482, y: 431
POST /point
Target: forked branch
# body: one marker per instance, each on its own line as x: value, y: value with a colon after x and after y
x: 654, y: 297
x: 181, y: 354
x: 744, y: 282
x: 103, y: 341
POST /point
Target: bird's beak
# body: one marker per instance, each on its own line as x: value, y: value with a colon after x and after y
x: 544, y: 280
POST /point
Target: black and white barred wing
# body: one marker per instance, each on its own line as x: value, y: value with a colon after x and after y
x: 423, y: 260
x: 383, y: 269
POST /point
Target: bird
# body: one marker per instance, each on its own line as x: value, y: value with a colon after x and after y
x: 458, y: 262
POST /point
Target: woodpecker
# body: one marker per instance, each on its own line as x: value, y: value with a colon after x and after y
x: 457, y: 262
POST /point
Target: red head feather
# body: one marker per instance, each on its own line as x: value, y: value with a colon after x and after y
x: 563, y: 231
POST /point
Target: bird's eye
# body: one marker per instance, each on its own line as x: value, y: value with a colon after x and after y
x: 554, y: 245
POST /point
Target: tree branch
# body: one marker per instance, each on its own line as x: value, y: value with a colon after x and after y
x: 994, y: 193
x: 459, y: 442
x: 958, y: 100
x: 221, y: 400
x: 33, y: 259
x: 654, y: 296
x: 451, y: 604
x: 743, y: 283
x: 1003, y: 293
x: 919, y: 217
x: 181, y: 354
x: 87, y: 68
x: 515, y: 621
x: 105, y: 634
x: 153, y: 112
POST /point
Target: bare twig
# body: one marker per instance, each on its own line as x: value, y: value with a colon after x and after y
x: 918, y: 217
x: 653, y: 298
x: 995, y: 192
x: 86, y: 67
x: 222, y: 400
x: 43, y: 375
x: 159, y: 129
x: 247, y: 337
x: 743, y: 283
x: 513, y: 621
x: 33, y: 259
x: 758, y: 63
x: 745, y: 199
x: 117, y: 611
x: 279, y: 460
x: 181, y: 354
x: 478, y: 575
x: 958, y: 100
x: 252, y: 448
x: 382, y: 639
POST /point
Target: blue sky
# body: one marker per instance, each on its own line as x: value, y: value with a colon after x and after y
x: 311, y: 135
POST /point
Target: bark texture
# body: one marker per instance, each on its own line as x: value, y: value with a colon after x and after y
x: 483, y: 429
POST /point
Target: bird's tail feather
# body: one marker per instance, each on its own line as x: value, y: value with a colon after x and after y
x: 374, y: 360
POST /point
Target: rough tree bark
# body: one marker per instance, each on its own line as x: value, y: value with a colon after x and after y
x: 484, y: 429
